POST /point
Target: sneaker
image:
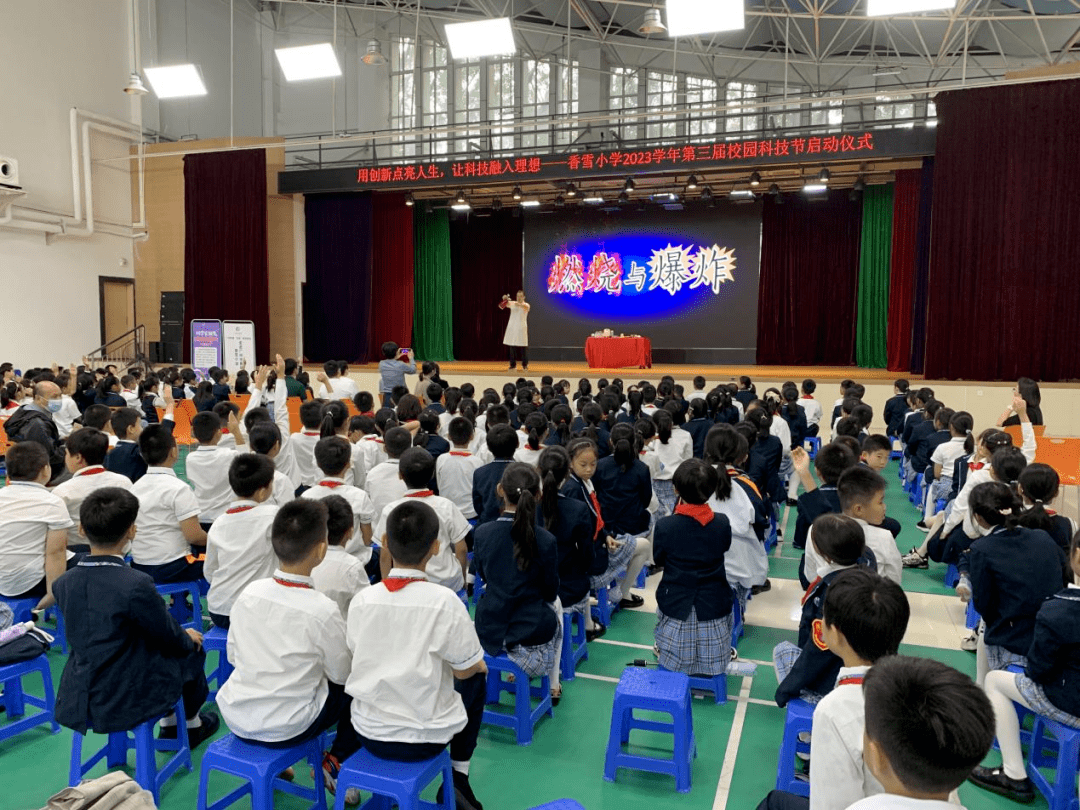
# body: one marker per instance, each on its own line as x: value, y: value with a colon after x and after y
x: 963, y: 589
x: 331, y: 768
x: 913, y: 559
x: 995, y: 780
x: 970, y: 643
x: 734, y: 654
x: 921, y: 526
x: 201, y: 733
x: 764, y: 586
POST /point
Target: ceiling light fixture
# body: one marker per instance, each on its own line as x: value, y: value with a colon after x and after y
x: 651, y: 23
x: 473, y: 40
x: 824, y: 175
x: 530, y: 203
x: 374, y: 55
x: 691, y: 183
x: 686, y: 18
x: 176, y: 81
x: 624, y: 197
x: 815, y: 188
x: 741, y: 193
x: 774, y: 190
x: 860, y: 184
x: 135, y: 86
x: 629, y: 185
x: 706, y: 193
x: 308, y: 62
x: 755, y: 179
x: 409, y: 201
x: 571, y: 190
x: 594, y: 199
x: 496, y: 204
x: 884, y: 8
x: 560, y: 201
x: 516, y: 193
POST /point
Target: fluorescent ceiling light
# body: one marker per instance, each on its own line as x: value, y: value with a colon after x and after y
x: 308, y: 62
x: 742, y: 192
x: 686, y: 18
x: 472, y: 40
x: 813, y: 188
x: 176, y: 81
x: 530, y: 203
x: 462, y: 206
x: 882, y: 8
x: 594, y: 200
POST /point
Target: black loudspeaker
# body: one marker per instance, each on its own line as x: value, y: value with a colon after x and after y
x: 172, y: 332
x: 172, y: 352
x: 172, y: 307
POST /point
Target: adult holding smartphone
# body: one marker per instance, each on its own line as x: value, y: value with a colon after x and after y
x: 396, y: 363
x: 516, y: 337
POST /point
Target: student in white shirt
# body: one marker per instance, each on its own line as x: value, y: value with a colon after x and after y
x: 811, y: 407
x: 672, y: 447
x: 168, y: 527
x: 238, y: 548
x: 955, y: 730
x: 303, y: 443
x: 383, y: 481
x: 85, y: 452
x: 34, y: 527
x: 129, y: 390
x: 360, y: 427
x: 699, y: 389
x: 418, y: 677
x: 207, y: 466
x: 284, y: 619
x: 531, y: 441
x: 454, y: 470
x: 340, y: 575
x: 264, y: 438
x: 332, y: 385
x: 333, y: 457
x: 69, y: 411
x: 450, y: 561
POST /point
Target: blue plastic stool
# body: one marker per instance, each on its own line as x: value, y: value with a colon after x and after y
x: 574, y: 648
x: 24, y: 612
x: 178, y: 609
x: 604, y: 610
x: 737, y: 619
x: 1065, y: 761
x: 717, y: 684
x: 642, y: 576
x: 952, y: 576
x: 525, y: 717
x: 259, y: 766
x: 215, y: 640
x: 656, y: 691
x: 560, y: 804
x: 15, y: 699
x: 147, y: 773
x: 815, y: 446
x: 478, y: 589
x: 800, y: 717
x: 772, y: 536
x: 972, y: 617
x: 393, y: 783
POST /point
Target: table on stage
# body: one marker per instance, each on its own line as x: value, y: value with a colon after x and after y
x: 618, y: 352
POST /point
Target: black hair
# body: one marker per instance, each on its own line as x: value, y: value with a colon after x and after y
x: 333, y: 455
x: 396, y: 394
x: 434, y: 392
x: 155, y: 444
x: 997, y: 504
x: 725, y: 447
x: 746, y: 383
x: 870, y: 610
x: 848, y: 426
x: 452, y: 399
x: 107, y: 514
x: 677, y: 417
x: 299, y: 526
x: 561, y: 418
x: 389, y: 349
x: 624, y: 446
x: 396, y: 441
x: 497, y: 415
x: 26, y: 460
x: 924, y: 395
x: 942, y: 418
x: 250, y: 472
x: 838, y: 538
x: 521, y: 489
x: 592, y: 414
x: 849, y: 404
x: 761, y: 420
x: 901, y: 385
x: 859, y: 484
x: 334, y: 414
x: 994, y: 439
x: 875, y: 443
x: 224, y: 410
x: 460, y: 430
x: 648, y: 393
x: 411, y: 529
x: 417, y: 467
x: 1029, y: 390
x: 699, y: 383
x: 932, y: 723
x: 121, y: 420
x: 695, y: 481
x: 502, y: 441
x: 851, y: 443
x: 364, y: 401
x: 809, y: 386
x: 579, y: 446
x: 339, y: 519
x: 1007, y: 464
x: 242, y: 382
x: 204, y: 426
x: 664, y: 425
x: 961, y: 424
x: 385, y: 418
x: 330, y: 368
x: 311, y: 414
x: 106, y: 385
x: 1040, y: 483
x: 364, y: 425
x: 537, y: 425
x: 90, y: 443
x: 409, y: 408
x: 204, y: 392
x: 863, y: 414
x: 554, y: 467
x: 584, y: 388
x: 262, y: 437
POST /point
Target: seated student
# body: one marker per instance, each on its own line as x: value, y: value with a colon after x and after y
x: 264, y: 438
x: 124, y: 458
x: 238, y: 549
x: 34, y: 525
x: 204, y: 399
x: 383, y: 481
x: 746, y: 392
x: 413, y: 647
x: 895, y: 408
x: 365, y: 403
x: 129, y: 390
x: 940, y: 469
x: 427, y: 436
x: 534, y: 431
x: 207, y: 466
x: 864, y: 620
x: 450, y: 561
x: 434, y: 395
x: 811, y: 407
x: 1049, y: 685
x: 122, y: 635
x: 927, y: 726
x: 85, y: 451
x: 331, y: 383
x: 220, y: 379
x: 766, y: 454
x: 848, y: 426
x: 1013, y: 571
x: 807, y: 670
x: 916, y: 456
x: 698, y: 425
x: 340, y: 575
x: 831, y: 462
x: 393, y: 368
x: 502, y: 442
x: 225, y: 411
x: 454, y: 471
x: 371, y: 443
x: 917, y: 416
x: 303, y: 443
x: 673, y: 446
x: 875, y: 452
x: 333, y: 455
x: 284, y: 619
x: 793, y: 416
x: 572, y: 524
x: 1038, y: 485
x: 168, y: 522
x: 519, y: 612
x: 150, y: 400
x: 108, y: 393
x: 693, y: 600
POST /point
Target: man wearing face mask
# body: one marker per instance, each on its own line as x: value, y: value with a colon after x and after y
x: 33, y: 422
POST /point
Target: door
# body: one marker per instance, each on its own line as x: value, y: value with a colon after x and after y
x: 117, y: 313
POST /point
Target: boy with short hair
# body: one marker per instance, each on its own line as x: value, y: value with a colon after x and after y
x: 225, y: 410
x: 450, y: 561
x: 831, y: 461
x: 130, y: 661
x: 875, y: 452
x: 927, y: 727
x: 333, y: 382
x: 811, y: 407
x: 303, y: 443
x: 207, y: 466
x: 699, y: 389
x: 895, y: 408
x: 455, y: 471
x: 264, y: 438
x: 238, y: 548
x: 124, y: 458
x: 340, y: 575
x: 85, y: 452
x: 334, y: 455
x: 99, y: 417
x: 168, y: 522
x: 808, y: 670
x: 383, y: 481
x: 418, y: 675
x: 502, y: 442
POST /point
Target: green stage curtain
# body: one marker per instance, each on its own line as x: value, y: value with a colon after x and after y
x: 433, y: 325
x: 871, y: 326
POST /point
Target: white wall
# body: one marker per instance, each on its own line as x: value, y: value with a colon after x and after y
x: 57, y: 54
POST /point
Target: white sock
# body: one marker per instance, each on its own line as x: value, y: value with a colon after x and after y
x: 168, y: 721
x: 195, y: 721
x: 460, y: 767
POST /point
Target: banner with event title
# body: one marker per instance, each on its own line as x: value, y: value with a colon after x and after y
x: 613, y: 162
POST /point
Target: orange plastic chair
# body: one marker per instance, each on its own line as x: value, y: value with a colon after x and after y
x: 240, y: 400
x: 1061, y: 454
x: 353, y: 410
x: 1018, y: 436
x: 293, y: 404
x: 183, y: 411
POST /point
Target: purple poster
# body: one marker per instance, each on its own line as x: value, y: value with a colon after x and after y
x: 206, y: 340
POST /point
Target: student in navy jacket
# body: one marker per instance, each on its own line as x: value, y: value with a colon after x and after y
x: 502, y: 441
x: 895, y: 408
x: 125, y: 458
x: 130, y: 661
x: 1038, y: 485
x: 831, y: 462
x: 766, y: 456
x: 915, y: 451
x: 572, y: 524
x: 699, y: 424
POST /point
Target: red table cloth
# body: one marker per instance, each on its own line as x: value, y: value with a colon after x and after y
x: 618, y: 352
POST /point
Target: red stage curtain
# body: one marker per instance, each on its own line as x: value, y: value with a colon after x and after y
x: 226, y: 271
x: 809, y: 279
x: 902, y: 274
x: 1004, y: 300
x: 391, y: 272
x: 485, y: 260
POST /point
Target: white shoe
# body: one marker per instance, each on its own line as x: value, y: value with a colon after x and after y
x: 963, y: 590
x: 970, y: 643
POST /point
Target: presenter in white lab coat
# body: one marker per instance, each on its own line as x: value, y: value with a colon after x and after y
x: 516, y: 337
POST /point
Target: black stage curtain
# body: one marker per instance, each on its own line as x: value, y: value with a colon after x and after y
x: 809, y: 280
x: 485, y: 261
x: 337, y: 296
x: 1004, y: 300
x: 226, y: 271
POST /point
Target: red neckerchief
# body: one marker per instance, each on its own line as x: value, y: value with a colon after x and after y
x: 1050, y: 512
x: 372, y: 438
x: 369, y: 413
x: 289, y: 584
x: 312, y: 433
x: 850, y: 680
x: 810, y: 590
x: 975, y: 465
x: 330, y: 484
x: 701, y: 512
x: 394, y: 584
x: 97, y: 469
x: 236, y: 510
x: 460, y: 453
x: 596, y: 508
x: 423, y: 493
x: 804, y: 396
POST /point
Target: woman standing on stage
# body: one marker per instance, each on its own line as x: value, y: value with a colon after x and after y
x: 517, y: 330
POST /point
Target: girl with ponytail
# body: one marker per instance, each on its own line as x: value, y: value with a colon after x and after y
x: 595, y: 429
x: 766, y: 456
x: 1038, y: 485
x: 519, y: 612
x: 673, y: 447
x: 944, y: 458
x: 561, y: 418
x: 1013, y: 571
x: 535, y: 428
x: 698, y: 425
x: 334, y: 417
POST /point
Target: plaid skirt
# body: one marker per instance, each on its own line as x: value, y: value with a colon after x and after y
x: 785, y: 654
x: 581, y: 607
x: 1000, y: 658
x: 1038, y: 701
x: 617, y: 562
x: 692, y: 646
x: 540, y: 660
x: 664, y: 488
x: 941, y: 488
x: 741, y: 594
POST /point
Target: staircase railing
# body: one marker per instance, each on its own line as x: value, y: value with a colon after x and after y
x: 127, y: 350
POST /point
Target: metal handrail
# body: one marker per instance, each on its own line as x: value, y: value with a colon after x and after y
x: 135, y: 339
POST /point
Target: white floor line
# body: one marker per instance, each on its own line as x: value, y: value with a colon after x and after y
x: 621, y: 644
x: 731, y: 753
x: 589, y: 677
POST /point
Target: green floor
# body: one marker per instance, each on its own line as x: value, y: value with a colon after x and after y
x: 567, y: 757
